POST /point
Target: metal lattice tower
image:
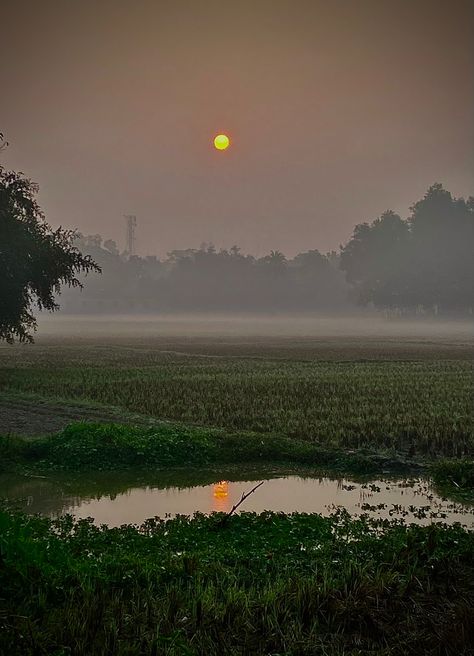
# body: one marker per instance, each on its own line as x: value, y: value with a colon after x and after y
x: 131, y: 224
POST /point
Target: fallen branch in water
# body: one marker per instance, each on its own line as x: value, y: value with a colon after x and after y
x: 242, y: 499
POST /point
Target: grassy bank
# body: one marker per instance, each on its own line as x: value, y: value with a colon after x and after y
x: 455, y: 478
x: 86, y: 447
x: 268, y: 584
x: 89, y: 447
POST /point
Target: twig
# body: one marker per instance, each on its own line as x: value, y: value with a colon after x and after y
x: 242, y: 499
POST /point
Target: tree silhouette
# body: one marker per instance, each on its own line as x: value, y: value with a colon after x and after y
x: 35, y: 260
x: 425, y: 260
x: 442, y: 262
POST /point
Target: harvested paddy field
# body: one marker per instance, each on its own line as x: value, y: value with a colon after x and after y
x: 411, y: 395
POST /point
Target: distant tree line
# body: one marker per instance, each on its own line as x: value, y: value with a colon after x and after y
x: 420, y: 264
x: 208, y: 279
x: 425, y: 261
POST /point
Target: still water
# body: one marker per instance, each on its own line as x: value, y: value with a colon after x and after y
x: 114, y: 499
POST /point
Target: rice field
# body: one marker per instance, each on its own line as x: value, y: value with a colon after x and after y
x: 411, y: 395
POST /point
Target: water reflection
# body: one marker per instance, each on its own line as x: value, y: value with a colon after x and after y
x: 220, y: 495
x: 114, y: 499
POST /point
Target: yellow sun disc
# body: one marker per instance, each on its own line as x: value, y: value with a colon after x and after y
x: 222, y: 142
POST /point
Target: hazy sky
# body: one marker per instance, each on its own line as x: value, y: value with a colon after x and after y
x: 337, y: 110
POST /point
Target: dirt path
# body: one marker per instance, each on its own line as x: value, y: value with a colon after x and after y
x: 33, y: 417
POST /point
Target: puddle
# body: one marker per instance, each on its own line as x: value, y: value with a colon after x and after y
x: 111, y: 500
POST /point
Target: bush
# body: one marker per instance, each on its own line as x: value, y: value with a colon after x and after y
x: 457, y: 473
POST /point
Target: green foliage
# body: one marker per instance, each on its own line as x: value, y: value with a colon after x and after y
x: 86, y: 447
x: 34, y: 259
x: 13, y: 451
x: 103, y: 446
x: 454, y: 473
x: 263, y: 584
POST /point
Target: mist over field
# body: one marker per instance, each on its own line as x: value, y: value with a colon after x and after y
x: 313, y: 326
x: 236, y: 328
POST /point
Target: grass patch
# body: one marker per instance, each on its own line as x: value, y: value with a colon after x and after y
x: 455, y: 478
x: 459, y: 473
x: 89, y: 447
x: 262, y: 584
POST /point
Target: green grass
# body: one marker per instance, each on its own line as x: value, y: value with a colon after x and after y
x: 459, y: 472
x: 89, y: 447
x: 268, y: 584
x: 417, y: 406
x: 454, y: 477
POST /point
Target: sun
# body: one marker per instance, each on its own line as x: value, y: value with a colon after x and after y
x: 221, y: 142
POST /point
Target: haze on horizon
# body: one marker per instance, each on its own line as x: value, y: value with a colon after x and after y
x: 337, y: 111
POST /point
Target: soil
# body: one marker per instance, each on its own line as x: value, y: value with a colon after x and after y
x: 35, y: 417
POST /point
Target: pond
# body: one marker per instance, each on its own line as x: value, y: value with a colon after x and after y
x: 115, y: 499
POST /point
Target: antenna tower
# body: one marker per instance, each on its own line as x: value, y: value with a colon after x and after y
x: 131, y: 224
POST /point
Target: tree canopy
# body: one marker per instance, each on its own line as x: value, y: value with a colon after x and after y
x: 426, y: 259
x: 206, y: 279
x: 35, y: 260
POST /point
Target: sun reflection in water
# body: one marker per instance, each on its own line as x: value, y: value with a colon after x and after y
x: 220, y: 496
